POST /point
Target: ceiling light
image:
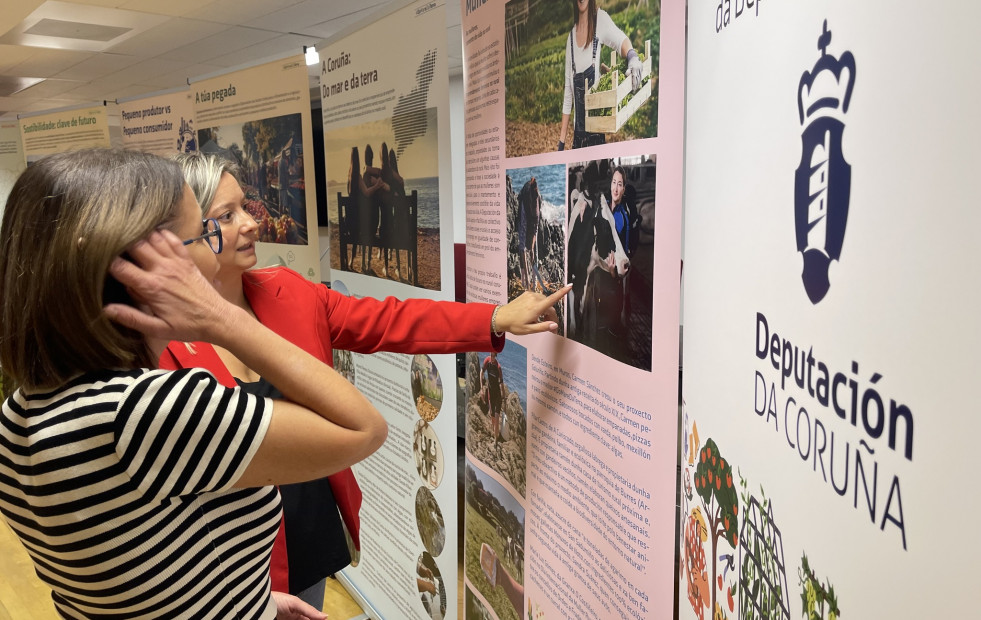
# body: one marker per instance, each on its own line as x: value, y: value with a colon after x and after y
x: 313, y: 57
x: 80, y: 27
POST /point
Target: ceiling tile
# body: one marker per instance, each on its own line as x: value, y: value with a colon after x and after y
x: 219, y: 44
x: 47, y: 62
x: 147, y: 72
x: 47, y: 88
x: 16, y: 11
x: 174, y: 8
x: 6, y: 103
x: 281, y: 45
x: 327, y: 29
x: 293, y: 18
x: 9, y: 85
x: 98, y: 66
x: 96, y: 91
x: 191, y: 71
x: 64, y: 14
x: 128, y: 92
x: 109, y: 4
x: 168, y: 36
x: 55, y: 104
x: 239, y: 12
x: 12, y: 55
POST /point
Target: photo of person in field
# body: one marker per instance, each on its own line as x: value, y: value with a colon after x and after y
x: 560, y: 55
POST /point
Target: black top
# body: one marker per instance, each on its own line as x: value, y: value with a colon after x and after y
x: 315, y: 544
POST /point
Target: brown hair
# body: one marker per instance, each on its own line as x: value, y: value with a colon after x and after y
x: 67, y: 217
x: 590, y: 17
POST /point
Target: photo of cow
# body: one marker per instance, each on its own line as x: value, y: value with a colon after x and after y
x: 610, y: 261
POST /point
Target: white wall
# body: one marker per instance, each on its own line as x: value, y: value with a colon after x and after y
x: 458, y: 161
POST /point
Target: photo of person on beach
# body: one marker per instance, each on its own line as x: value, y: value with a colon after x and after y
x: 535, y: 200
x: 383, y: 202
x: 559, y: 55
x: 497, y: 412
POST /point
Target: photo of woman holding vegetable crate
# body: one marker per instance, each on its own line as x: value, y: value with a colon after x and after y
x: 587, y: 72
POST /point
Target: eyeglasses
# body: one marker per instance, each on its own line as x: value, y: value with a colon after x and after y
x: 212, y: 234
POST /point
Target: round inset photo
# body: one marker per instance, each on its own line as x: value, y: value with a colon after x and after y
x: 344, y: 364
x: 428, y: 454
x: 429, y: 520
x: 432, y: 590
x: 427, y: 388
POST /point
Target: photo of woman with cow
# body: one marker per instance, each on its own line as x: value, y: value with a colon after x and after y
x: 610, y: 260
x: 536, y: 237
x: 497, y: 406
x: 384, y: 203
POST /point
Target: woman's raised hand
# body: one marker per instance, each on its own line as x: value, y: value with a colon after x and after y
x: 175, y: 301
x: 531, y: 313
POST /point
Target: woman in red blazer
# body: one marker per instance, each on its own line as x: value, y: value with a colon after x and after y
x: 318, y: 319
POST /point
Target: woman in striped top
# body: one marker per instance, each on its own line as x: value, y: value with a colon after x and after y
x: 140, y: 492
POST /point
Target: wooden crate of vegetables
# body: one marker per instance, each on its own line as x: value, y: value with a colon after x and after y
x: 611, y: 102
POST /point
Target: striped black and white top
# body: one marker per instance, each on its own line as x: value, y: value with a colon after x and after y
x: 119, y: 484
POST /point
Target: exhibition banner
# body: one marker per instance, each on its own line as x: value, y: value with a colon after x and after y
x: 63, y: 130
x: 260, y: 118
x: 12, y: 161
x: 830, y: 299
x: 574, y: 132
x: 162, y: 124
x: 11, y: 149
x: 386, y: 141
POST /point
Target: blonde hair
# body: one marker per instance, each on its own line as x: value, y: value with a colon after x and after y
x: 67, y: 217
x: 203, y: 171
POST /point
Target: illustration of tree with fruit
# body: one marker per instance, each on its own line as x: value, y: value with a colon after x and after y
x: 816, y: 597
x: 720, y: 503
x: 694, y: 564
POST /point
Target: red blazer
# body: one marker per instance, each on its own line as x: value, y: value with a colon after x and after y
x: 318, y: 319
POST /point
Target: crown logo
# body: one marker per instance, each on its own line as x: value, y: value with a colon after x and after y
x: 822, y: 183
x: 827, y: 90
